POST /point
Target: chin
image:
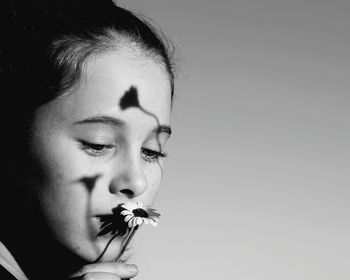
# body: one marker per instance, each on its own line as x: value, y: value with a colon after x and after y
x: 90, y: 250
x: 112, y: 251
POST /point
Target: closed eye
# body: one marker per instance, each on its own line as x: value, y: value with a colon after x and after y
x: 95, y: 149
x: 151, y: 156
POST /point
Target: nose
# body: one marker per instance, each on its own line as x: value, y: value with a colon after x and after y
x: 129, y: 179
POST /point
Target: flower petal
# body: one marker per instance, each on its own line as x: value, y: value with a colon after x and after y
x: 131, y: 222
x: 155, y: 219
x: 126, y: 212
x: 127, y: 218
x: 141, y: 221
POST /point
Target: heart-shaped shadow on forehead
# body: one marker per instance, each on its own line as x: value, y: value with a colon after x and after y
x: 130, y: 99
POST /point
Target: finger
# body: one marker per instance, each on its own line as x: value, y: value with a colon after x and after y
x: 123, y: 270
x: 97, y: 276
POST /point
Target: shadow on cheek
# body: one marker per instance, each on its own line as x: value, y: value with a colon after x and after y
x: 90, y: 182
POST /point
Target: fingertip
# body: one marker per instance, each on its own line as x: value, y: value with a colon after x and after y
x: 133, y: 268
x: 129, y: 270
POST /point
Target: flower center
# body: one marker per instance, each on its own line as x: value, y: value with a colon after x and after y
x: 139, y: 212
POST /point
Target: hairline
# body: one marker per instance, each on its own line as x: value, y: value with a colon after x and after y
x: 80, y: 52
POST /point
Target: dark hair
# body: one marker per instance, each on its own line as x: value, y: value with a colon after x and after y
x: 47, y: 42
x: 44, y: 44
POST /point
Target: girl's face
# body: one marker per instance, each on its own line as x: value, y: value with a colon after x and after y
x: 93, y: 154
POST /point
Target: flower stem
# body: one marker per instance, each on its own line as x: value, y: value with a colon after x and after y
x: 105, y: 249
x: 131, y: 234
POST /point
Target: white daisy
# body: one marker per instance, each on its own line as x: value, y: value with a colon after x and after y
x: 136, y: 215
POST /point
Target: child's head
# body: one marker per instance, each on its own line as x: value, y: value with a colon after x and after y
x: 76, y: 149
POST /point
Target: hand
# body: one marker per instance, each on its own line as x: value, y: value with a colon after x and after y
x: 106, y: 271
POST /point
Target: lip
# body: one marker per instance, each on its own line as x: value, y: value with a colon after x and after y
x: 96, y: 224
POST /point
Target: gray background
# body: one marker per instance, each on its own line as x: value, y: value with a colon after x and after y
x: 257, y: 181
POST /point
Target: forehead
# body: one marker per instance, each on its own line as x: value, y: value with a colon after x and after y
x: 107, y: 77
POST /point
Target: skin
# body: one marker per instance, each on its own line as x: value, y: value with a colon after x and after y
x: 91, y: 156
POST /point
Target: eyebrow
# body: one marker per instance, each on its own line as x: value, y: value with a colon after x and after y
x: 102, y: 120
x: 120, y: 124
x: 163, y: 129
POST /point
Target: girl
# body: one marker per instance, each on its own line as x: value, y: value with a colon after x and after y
x: 88, y: 91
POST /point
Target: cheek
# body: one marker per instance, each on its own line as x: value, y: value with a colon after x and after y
x: 62, y: 196
x: 57, y: 182
x: 154, y: 180
x: 65, y: 201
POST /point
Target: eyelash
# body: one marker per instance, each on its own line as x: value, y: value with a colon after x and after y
x: 95, y: 150
x: 98, y: 150
x: 151, y: 155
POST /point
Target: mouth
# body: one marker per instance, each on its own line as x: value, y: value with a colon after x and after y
x: 112, y: 224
